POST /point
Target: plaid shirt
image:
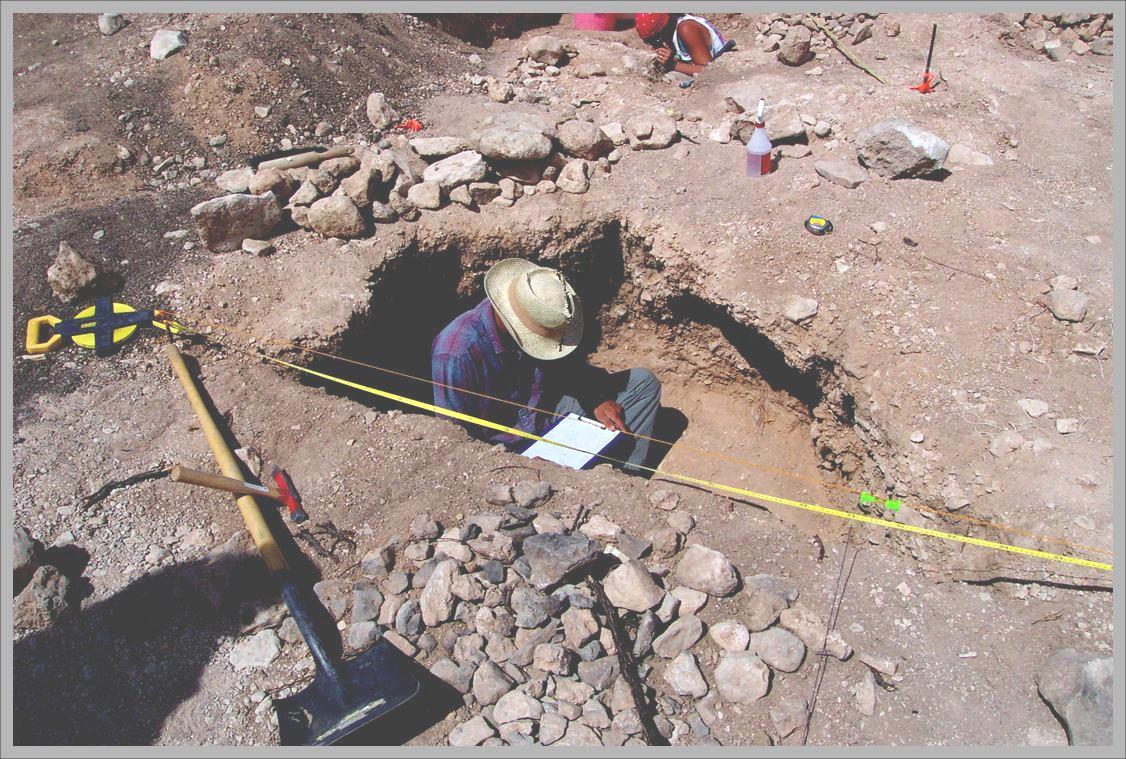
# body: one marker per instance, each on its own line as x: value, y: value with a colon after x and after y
x: 470, y: 354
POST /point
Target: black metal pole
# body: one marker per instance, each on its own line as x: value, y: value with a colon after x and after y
x: 934, y: 31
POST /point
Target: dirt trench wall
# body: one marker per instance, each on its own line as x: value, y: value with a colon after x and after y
x: 400, y: 287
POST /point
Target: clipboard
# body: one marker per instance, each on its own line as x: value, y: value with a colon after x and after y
x: 588, y: 436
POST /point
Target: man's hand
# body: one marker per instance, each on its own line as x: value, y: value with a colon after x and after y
x: 611, y: 414
x: 664, y: 54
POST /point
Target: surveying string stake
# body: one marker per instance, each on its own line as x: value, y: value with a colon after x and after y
x: 930, y: 81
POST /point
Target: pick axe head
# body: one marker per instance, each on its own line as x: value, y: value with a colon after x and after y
x: 287, y: 495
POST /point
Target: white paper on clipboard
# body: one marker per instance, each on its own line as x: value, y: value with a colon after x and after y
x: 576, y: 432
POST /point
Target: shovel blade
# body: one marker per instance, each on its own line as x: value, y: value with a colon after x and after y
x: 371, y: 685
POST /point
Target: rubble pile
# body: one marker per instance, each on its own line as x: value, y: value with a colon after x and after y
x: 502, y: 609
x: 510, y: 155
x: 1061, y: 35
x: 797, y: 39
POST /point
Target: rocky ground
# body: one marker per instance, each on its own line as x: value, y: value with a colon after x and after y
x: 947, y: 345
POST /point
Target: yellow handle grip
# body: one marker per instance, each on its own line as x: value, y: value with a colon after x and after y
x: 251, y: 514
x: 34, y: 344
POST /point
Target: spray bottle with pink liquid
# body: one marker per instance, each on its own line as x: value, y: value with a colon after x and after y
x: 758, y: 147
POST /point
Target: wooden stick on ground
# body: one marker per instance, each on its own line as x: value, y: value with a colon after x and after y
x: 853, y: 57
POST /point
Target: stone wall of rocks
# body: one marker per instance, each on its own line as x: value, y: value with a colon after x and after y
x: 42, y: 590
x: 512, y: 155
x: 796, y: 38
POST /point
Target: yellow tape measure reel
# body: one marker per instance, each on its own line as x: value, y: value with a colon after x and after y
x: 120, y: 335
x: 117, y: 327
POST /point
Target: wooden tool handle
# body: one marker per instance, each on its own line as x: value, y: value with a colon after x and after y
x: 305, y: 159
x: 219, y: 482
x: 251, y: 514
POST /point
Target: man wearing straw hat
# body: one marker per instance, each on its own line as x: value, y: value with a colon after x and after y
x: 510, y: 348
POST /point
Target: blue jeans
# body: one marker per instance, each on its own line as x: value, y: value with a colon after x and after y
x: 639, y: 394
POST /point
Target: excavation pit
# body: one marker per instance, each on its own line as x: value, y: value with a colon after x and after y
x: 734, y: 410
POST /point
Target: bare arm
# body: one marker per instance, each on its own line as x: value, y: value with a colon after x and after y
x: 696, y: 40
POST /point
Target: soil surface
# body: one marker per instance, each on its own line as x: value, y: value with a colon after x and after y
x: 928, y: 333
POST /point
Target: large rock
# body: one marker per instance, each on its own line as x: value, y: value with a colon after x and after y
x: 483, y: 192
x: 437, y: 598
x: 845, y: 173
x: 43, y: 600
x: 680, y: 636
x: 771, y: 584
x: 463, y: 168
x: 531, y: 607
x: 741, y: 677
x: 794, y: 49
x: 579, y: 626
x: 789, y: 714
x: 1068, y: 305
x: 684, y: 676
x: 1079, y: 688
x: 223, y: 223
x: 380, y: 113
x: 166, y: 42
x: 334, y: 596
x: 235, y: 180
x: 337, y: 216
x: 490, y: 683
x: 110, y: 23
x: 896, y: 148
x: 730, y: 635
x: 256, y: 652
x: 784, y: 125
x: 779, y: 648
x: 579, y: 734
x: 763, y: 608
x: 426, y: 195
x: 546, y: 49
x: 708, y: 571
x: 457, y: 677
x: 272, y: 180
x: 805, y: 624
x: 436, y: 148
x: 71, y: 273
x: 651, y: 132
x: 584, y: 139
x: 27, y: 556
x: 361, y: 187
x: 472, y: 732
x: 514, y: 143
x: 630, y: 586
x: 516, y: 705
x: 798, y: 309
x: 573, y: 178
x: 553, y: 555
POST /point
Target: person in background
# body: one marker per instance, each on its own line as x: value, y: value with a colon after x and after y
x: 683, y: 43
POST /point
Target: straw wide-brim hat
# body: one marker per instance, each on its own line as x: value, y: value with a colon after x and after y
x: 538, y: 306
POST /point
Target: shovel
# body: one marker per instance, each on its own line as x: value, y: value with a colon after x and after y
x: 345, y: 695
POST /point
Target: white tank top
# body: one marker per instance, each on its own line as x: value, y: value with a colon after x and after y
x: 714, y: 45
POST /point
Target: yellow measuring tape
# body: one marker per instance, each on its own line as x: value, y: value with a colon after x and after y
x: 864, y: 518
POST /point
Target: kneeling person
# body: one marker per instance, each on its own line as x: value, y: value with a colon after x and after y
x: 509, y: 353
